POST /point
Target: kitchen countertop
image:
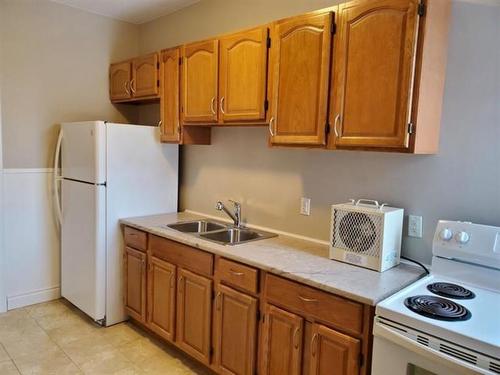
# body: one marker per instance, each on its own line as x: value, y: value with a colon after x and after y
x: 292, y: 258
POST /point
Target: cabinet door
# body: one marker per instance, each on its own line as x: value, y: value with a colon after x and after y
x: 199, y: 81
x: 242, y: 76
x: 119, y: 81
x: 194, y: 311
x: 332, y: 352
x: 282, y: 342
x: 235, y: 332
x: 145, y: 79
x: 169, y: 101
x: 135, y: 284
x: 373, y: 73
x: 161, y: 297
x: 301, y: 66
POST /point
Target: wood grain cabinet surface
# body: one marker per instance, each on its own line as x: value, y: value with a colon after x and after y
x: 145, y: 76
x: 243, y: 76
x: 120, y: 75
x: 161, y: 298
x: 200, y: 81
x: 194, y: 314
x: 235, y: 331
x: 300, y: 69
x: 135, y: 284
x: 281, y: 344
x: 169, y: 99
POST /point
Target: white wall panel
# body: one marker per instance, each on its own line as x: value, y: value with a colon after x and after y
x: 31, y: 239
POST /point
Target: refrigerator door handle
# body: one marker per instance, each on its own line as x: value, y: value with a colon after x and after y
x: 57, y: 178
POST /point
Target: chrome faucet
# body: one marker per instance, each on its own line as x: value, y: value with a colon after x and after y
x: 236, y: 216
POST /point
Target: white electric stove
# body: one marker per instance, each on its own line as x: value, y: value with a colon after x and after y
x: 448, y: 322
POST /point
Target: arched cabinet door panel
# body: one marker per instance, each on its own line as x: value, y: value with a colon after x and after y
x: 300, y: 58
x: 375, y: 51
x: 199, y: 82
x: 243, y: 76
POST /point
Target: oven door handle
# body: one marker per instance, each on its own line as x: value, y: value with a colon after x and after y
x: 462, y: 367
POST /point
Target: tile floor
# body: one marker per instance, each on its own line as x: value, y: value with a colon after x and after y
x: 56, y: 338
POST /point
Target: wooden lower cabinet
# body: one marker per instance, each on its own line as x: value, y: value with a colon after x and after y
x: 333, y: 353
x: 161, y: 298
x: 281, y: 342
x: 194, y: 313
x: 235, y: 330
x: 169, y: 289
x: 135, y: 284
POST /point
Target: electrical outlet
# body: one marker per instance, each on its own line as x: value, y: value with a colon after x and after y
x: 305, y: 206
x: 415, y: 226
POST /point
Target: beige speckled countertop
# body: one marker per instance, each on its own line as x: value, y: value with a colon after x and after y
x: 296, y: 259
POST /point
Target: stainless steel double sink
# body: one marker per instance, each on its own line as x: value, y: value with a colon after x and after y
x: 225, y: 234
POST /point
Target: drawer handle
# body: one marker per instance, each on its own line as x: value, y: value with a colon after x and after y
x: 313, y: 344
x: 295, y: 338
x: 235, y: 273
x: 308, y: 299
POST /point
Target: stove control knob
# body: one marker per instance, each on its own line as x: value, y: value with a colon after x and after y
x: 462, y: 237
x: 446, y: 234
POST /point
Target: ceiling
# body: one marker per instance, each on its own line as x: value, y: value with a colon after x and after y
x: 133, y: 11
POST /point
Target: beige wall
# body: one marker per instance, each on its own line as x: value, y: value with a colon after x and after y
x: 55, y: 67
x: 461, y: 183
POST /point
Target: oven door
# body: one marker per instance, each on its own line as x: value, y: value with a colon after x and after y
x: 396, y: 354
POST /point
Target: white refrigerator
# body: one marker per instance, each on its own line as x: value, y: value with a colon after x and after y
x: 108, y: 171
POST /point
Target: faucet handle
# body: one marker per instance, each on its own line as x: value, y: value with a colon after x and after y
x: 219, y: 206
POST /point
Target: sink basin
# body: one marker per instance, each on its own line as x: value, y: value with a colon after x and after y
x: 197, y: 226
x: 234, y: 236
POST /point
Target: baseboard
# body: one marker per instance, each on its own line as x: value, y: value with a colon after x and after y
x: 31, y: 298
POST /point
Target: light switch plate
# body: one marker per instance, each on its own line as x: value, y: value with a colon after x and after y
x: 415, y: 226
x: 305, y: 206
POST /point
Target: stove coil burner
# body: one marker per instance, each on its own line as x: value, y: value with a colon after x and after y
x: 450, y: 290
x: 437, y: 308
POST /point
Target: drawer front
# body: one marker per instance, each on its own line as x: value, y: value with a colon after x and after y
x: 181, y: 255
x: 338, y: 311
x: 136, y: 238
x: 237, y: 274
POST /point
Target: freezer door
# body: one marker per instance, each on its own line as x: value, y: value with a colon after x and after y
x: 83, y: 247
x: 83, y: 153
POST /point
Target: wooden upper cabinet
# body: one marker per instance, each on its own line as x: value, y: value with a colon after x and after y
x: 332, y: 352
x: 199, y: 82
x: 120, y: 75
x: 194, y: 313
x: 169, y: 98
x: 135, y: 284
x: 300, y: 63
x: 375, y: 51
x: 161, y: 297
x: 235, y: 332
x: 281, y: 343
x: 243, y: 76
x: 145, y: 76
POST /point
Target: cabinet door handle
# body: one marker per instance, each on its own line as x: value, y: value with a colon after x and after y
x: 271, y: 122
x: 314, y: 344
x: 132, y: 86
x: 296, y: 338
x: 212, y: 105
x: 233, y: 272
x: 222, y: 105
x: 308, y: 299
x: 125, y: 84
x: 337, y: 121
x: 172, y: 280
x: 181, y: 287
x: 178, y: 127
x: 217, y: 301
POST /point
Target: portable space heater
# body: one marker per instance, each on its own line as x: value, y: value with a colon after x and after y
x: 367, y: 234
